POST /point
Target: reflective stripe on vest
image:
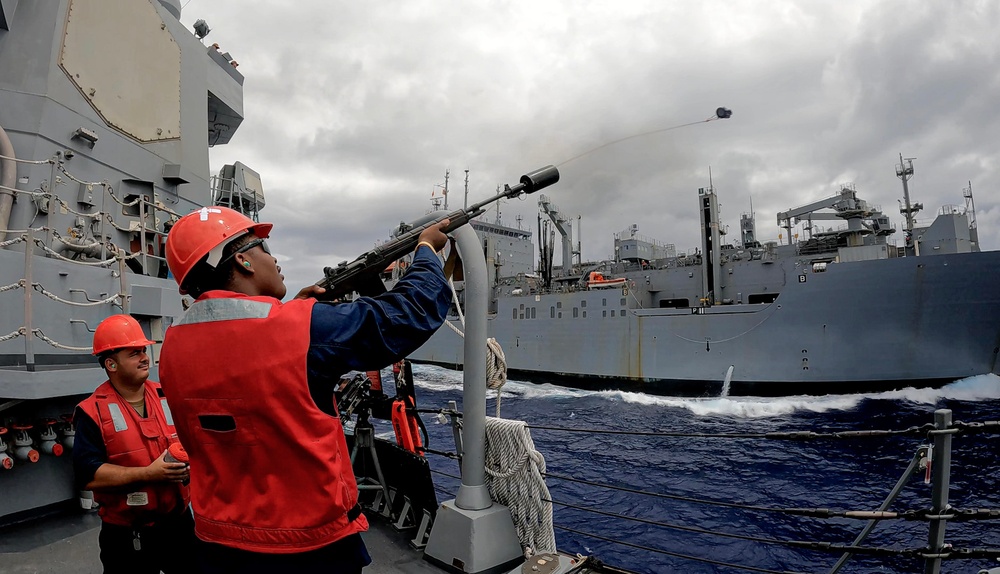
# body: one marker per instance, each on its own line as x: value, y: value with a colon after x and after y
x: 117, y: 417
x: 166, y: 412
x: 211, y: 310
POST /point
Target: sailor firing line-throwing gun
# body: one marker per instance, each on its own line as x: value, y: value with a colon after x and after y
x: 362, y: 274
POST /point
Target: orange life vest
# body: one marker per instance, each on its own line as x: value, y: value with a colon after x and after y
x: 270, y: 472
x: 135, y: 441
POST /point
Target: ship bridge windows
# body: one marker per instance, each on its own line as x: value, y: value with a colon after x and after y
x: 680, y: 303
x: 762, y: 298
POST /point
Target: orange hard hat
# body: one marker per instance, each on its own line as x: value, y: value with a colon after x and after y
x: 206, y: 232
x: 119, y: 332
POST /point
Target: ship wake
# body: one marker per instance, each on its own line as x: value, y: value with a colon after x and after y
x: 972, y: 389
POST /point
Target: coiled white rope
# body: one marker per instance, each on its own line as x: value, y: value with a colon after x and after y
x: 514, y: 478
x: 496, y: 368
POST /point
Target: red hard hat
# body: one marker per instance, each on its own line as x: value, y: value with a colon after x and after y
x: 206, y: 232
x: 119, y: 332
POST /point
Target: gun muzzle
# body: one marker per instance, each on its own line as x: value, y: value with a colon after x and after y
x: 539, y: 179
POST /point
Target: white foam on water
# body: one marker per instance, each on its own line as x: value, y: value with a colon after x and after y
x: 977, y: 388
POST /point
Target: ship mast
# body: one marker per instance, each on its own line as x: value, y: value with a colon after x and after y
x: 466, y: 204
x: 710, y: 243
x: 447, y: 174
x: 904, y: 171
x: 970, y: 209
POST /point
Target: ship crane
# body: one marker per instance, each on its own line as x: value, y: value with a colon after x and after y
x: 845, y: 206
x: 565, y: 228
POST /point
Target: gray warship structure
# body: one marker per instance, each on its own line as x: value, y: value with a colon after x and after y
x: 842, y: 311
x: 107, y: 112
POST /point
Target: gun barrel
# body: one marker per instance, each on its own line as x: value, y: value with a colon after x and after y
x: 344, y: 278
x: 529, y: 183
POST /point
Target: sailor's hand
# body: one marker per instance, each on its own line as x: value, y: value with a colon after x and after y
x: 162, y: 471
x: 310, y: 292
x: 435, y: 235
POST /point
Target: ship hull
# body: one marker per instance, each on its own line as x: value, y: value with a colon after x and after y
x: 855, y: 327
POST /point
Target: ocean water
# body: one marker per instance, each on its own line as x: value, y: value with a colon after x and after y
x: 840, y: 474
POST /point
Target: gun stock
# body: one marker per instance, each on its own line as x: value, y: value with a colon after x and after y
x: 362, y: 275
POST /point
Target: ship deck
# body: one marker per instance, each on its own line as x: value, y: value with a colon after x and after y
x: 66, y: 543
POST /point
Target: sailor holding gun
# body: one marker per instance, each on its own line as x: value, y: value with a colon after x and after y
x: 271, y: 477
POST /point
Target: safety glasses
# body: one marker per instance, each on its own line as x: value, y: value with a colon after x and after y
x: 259, y: 241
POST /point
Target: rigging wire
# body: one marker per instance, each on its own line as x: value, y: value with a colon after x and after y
x: 449, y: 475
x: 808, y: 545
x: 954, y: 514
x: 790, y: 435
x: 951, y: 553
x: 793, y: 511
x: 677, y: 554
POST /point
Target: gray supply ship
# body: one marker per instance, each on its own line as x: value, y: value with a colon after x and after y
x: 842, y: 311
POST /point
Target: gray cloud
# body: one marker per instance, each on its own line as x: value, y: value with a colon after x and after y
x: 355, y: 111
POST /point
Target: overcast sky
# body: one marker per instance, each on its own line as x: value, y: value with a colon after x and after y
x: 355, y: 110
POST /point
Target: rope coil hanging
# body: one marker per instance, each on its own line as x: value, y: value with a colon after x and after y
x: 514, y: 478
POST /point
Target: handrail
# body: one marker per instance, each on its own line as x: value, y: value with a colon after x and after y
x: 940, y: 432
